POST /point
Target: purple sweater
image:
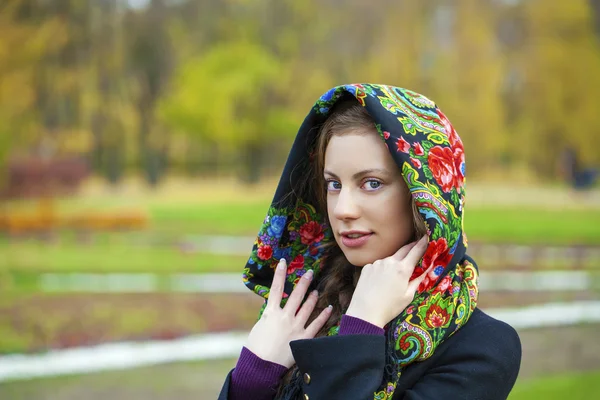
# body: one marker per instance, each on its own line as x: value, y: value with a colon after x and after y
x: 256, y: 379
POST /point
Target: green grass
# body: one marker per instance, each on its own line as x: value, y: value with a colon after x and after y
x: 223, y: 218
x: 576, y: 386
x: 493, y: 225
x: 514, y: 225
x: 530, y: 226
x: 38, y: 257
x: 172, y: 219
x: 151, y: 250
x: 241, y: 213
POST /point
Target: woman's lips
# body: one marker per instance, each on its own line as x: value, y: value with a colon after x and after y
x: 355, y: 242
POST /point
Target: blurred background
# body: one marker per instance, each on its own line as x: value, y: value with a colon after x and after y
x: 141, y: 142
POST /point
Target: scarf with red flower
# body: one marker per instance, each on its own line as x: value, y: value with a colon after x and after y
x: 430, y: 155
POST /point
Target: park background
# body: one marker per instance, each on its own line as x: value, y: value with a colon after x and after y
x: 141, y: 142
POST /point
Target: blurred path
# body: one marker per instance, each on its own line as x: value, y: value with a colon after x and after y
x: 507, y: 281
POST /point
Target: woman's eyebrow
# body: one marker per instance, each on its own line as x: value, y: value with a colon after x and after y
x: 361, y: 173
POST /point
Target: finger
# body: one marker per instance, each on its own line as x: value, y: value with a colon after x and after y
x: 298, y: 294
x: 415, y: 254
x: 318, y: 323
x: 307, y: 308
x: 403, y: 251
x: 277, y: 286
x: 413, y: 285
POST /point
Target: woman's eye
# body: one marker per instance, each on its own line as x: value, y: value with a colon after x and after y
x: 372, y: 184
x: 333, y: 185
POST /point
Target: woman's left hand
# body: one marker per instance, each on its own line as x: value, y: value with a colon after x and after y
x: 271, y: 336
x: 384, y: 288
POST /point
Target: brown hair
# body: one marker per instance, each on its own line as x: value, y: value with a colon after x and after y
x: 339, y: 277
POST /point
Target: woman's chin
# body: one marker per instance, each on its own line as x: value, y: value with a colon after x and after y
x: 359, y: 260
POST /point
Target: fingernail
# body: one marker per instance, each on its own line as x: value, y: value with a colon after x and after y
x: 281, y: 264
x: 330, y: 307
x: 308, y: 274
x: 315, y: 292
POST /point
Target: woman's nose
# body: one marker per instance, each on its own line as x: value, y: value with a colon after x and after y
x: 346, y: 206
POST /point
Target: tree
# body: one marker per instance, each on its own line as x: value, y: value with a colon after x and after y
x: 151, y: 65
x: 560, y: 67
x: 226, y: 97
x: 27, y: 41
x: 467, y: 82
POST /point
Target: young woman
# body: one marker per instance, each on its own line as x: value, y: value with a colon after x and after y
x: 362, y: 262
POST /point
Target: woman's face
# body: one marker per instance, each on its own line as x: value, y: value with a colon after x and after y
x: 368, y: 201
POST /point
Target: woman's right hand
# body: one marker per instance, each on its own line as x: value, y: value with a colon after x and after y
x: 270, y: 338
x: 383, y: 290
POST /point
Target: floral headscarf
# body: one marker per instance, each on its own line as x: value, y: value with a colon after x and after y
x: 430, y: 155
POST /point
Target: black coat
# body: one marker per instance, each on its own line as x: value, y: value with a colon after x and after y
x: 479, y: 362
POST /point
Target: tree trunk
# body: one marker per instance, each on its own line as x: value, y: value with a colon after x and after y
x: 251, y: 166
